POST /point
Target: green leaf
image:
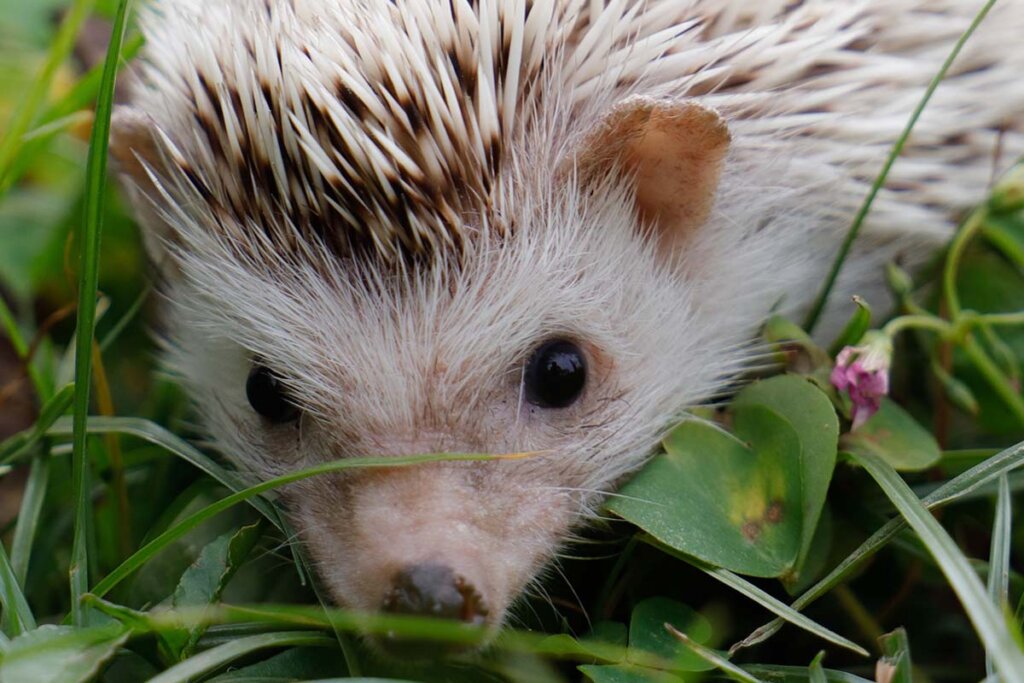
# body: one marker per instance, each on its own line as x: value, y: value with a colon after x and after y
x: 893, y: 435
x: 986, y: 618
x: 811, y: 414
x: 647, y: 633
x: 894, y: 667
x: 728, y: 500
x: 627, y: 673
x: 60, y: 654
x: 205, y: 580
x: 747, y: 502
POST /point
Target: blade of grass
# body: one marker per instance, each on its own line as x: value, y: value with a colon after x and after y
x: 837, y: 265
x: 980, y: 610
x: 29, y: 514
x: 711, y: 657
x: 192, y: 668
x: 88, y: 283
x: 759, y: 596
x: 17, y: 614
x: 999, y: 558
x: 26, y: 112
x: 142, y: 555
x: 959, y: 487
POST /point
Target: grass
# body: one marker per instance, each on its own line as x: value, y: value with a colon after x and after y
x: 86, y: 595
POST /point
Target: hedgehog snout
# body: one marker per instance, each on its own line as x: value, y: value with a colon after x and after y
x: 435, y: 590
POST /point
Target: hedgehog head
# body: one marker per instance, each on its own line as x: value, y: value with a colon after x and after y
x: 388, y: 233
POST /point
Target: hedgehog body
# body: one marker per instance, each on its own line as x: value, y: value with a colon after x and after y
x: 387, y: 207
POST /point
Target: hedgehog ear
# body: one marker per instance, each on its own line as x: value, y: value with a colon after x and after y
x: 675, y: 152
x: 135, y: 149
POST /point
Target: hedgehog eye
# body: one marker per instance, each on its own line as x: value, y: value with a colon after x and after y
x: 555, y: 374
x: 268, y: 397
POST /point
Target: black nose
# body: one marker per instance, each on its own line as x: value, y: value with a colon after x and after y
x: 434, y: 590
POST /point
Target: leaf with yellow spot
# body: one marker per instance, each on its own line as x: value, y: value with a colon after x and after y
x: 747, y: 501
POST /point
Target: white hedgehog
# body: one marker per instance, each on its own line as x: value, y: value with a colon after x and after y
x: 496, y: 226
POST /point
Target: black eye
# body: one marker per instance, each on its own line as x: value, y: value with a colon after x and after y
x: 555, y: 374
x: 267, y: 396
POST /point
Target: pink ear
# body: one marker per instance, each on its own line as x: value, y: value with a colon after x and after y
x: 675, y: 152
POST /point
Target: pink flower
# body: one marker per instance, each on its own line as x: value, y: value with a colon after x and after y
x: 863, y: 373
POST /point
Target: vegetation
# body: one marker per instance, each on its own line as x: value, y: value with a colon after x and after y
x: 848, y: 508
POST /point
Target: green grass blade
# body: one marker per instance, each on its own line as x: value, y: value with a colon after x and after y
x: 987, y: 620
x: 897, y: 149
x: 762, y: 598
x: 28, y: 516
x: 17, y: 615
x: 192, y: 521
x: 26, y: 112
x: 959, y: 487
x: 191, y: 669
x: 711, y: 657
x: 999, y: 558
x: 88, y: 283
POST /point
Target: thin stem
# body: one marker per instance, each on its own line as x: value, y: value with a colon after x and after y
x: 952, y: 266
x: 1000, y: 319
x: 918, y: 322
x: 851, y: 236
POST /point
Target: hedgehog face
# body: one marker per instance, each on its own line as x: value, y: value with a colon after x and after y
x: 350, y: 279
x: 564, y: 327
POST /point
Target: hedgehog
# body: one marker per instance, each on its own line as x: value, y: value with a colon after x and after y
x: 392, y: 227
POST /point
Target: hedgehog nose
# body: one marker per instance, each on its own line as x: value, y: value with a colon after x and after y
x: 434, y: 590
